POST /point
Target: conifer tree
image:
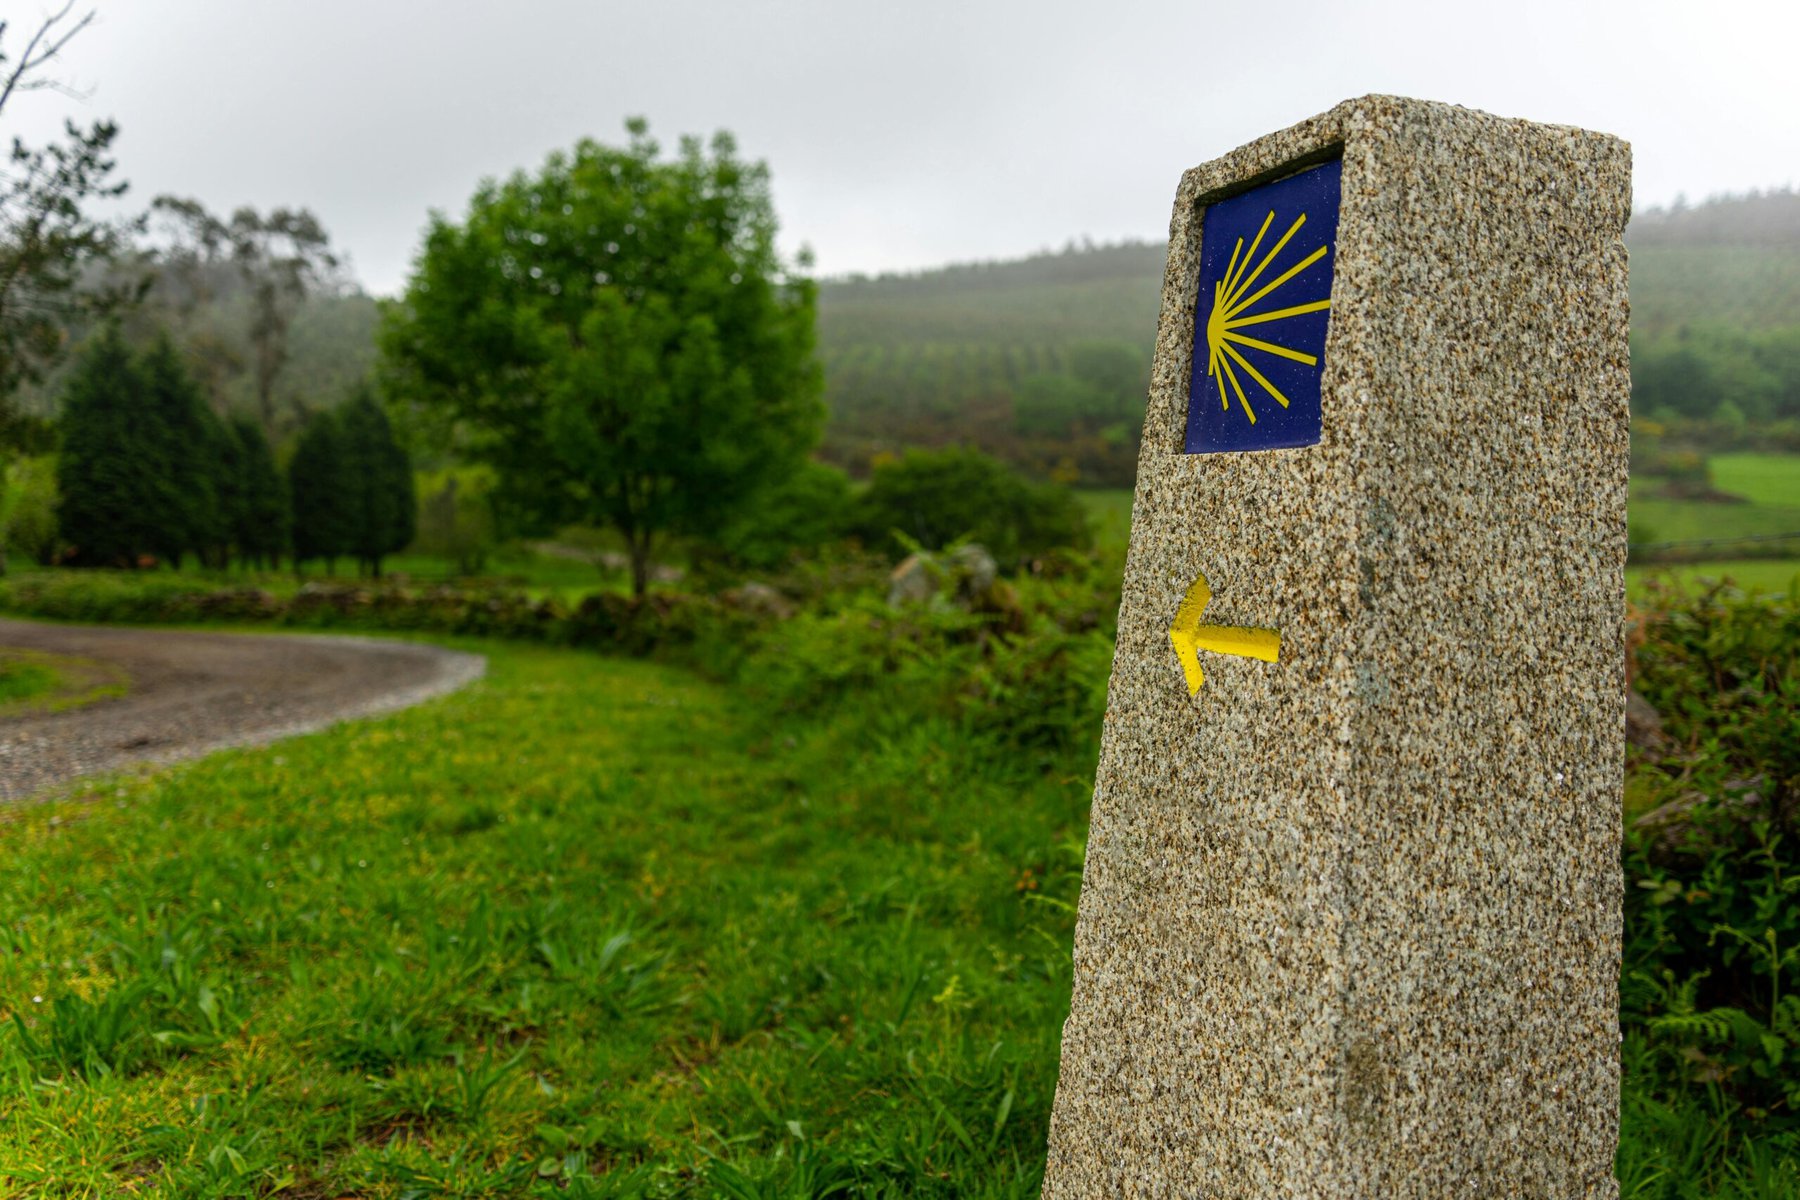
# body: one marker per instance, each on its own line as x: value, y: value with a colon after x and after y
x: 319, y: 485
x: 182, y: 442
x: 106, y: 473
x: 382, y: 502
x: 261, y: 516
x: 225, y: 462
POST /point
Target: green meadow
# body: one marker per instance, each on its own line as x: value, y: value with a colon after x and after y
x: 589, y: 928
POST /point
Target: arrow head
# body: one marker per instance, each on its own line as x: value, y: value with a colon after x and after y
x: 1184, y: 632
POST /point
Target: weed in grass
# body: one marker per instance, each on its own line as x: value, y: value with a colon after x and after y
x: 463, y: 1175
x: 192, y: 1007
x: 111, y: 1034
x: 621, y: 985
x: 568, y: 1179
x: 806, y: 1173
x: 477, y: 1082
x: 388, y: 1025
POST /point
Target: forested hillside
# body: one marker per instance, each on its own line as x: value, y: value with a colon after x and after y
x: 1004, y: 354
x: 1043, y: 361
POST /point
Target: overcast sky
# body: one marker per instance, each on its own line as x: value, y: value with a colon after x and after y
x: 901, y: 134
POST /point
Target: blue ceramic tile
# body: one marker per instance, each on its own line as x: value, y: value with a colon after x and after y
x: 1266, y: 260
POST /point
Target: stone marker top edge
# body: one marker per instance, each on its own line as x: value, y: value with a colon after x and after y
x: 1322, y: 137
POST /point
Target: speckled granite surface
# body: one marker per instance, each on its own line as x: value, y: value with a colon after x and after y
x: 1350, y: 922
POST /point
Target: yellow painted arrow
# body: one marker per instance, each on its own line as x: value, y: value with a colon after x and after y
x: 1191, y: 637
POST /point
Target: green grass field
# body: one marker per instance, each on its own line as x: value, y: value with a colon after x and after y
x: 592, y: 928
x: 586, y: 926
x: 32, y: 681
x: 1769, y: 483
x: 1775, y: 576
x: 1764, y: 479
x: 22, y: 680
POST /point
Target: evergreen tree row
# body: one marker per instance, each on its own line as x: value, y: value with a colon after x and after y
x: 149, y: 474
x: 352, y: 487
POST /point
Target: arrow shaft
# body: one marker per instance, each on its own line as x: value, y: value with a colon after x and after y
x: 1190, y: 637
x: 1236, y: 639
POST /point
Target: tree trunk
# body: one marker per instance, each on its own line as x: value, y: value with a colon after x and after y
x: 640, y: 566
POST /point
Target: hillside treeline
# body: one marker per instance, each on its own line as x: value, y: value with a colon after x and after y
x: 987, y: 354
x: 1758, y: 218
x: 1043, y: 362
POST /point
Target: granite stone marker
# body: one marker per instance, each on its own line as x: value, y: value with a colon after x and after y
x: 1350, y: 922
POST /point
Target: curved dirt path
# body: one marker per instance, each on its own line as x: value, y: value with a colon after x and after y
x: 192, y: 693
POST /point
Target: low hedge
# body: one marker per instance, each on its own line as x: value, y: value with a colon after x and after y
x: 651, y: 625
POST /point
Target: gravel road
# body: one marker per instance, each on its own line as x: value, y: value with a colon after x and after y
x: 192, y: 693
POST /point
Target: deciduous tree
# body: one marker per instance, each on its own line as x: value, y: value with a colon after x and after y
x: 48, y: 233
x: 617, y: 335
x: 280, y: 257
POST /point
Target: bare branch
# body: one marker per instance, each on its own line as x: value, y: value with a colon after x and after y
x: 34, y: 58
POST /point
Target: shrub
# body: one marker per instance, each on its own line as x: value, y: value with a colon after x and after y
x: 1712, y: 912
x: 803, y: 511
x: 936, y: 497
x: 1041, y: 688
x: 28, y: 508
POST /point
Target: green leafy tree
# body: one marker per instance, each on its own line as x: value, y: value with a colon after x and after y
x: 106, y: 474
x: 319, y: 488
x: 617, y: 336
x: 382, y: 504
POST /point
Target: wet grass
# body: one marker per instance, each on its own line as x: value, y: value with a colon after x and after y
x: 23, y: 679
x: 584, y: 929
x: 589, y: 928
x: 32, y: 681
